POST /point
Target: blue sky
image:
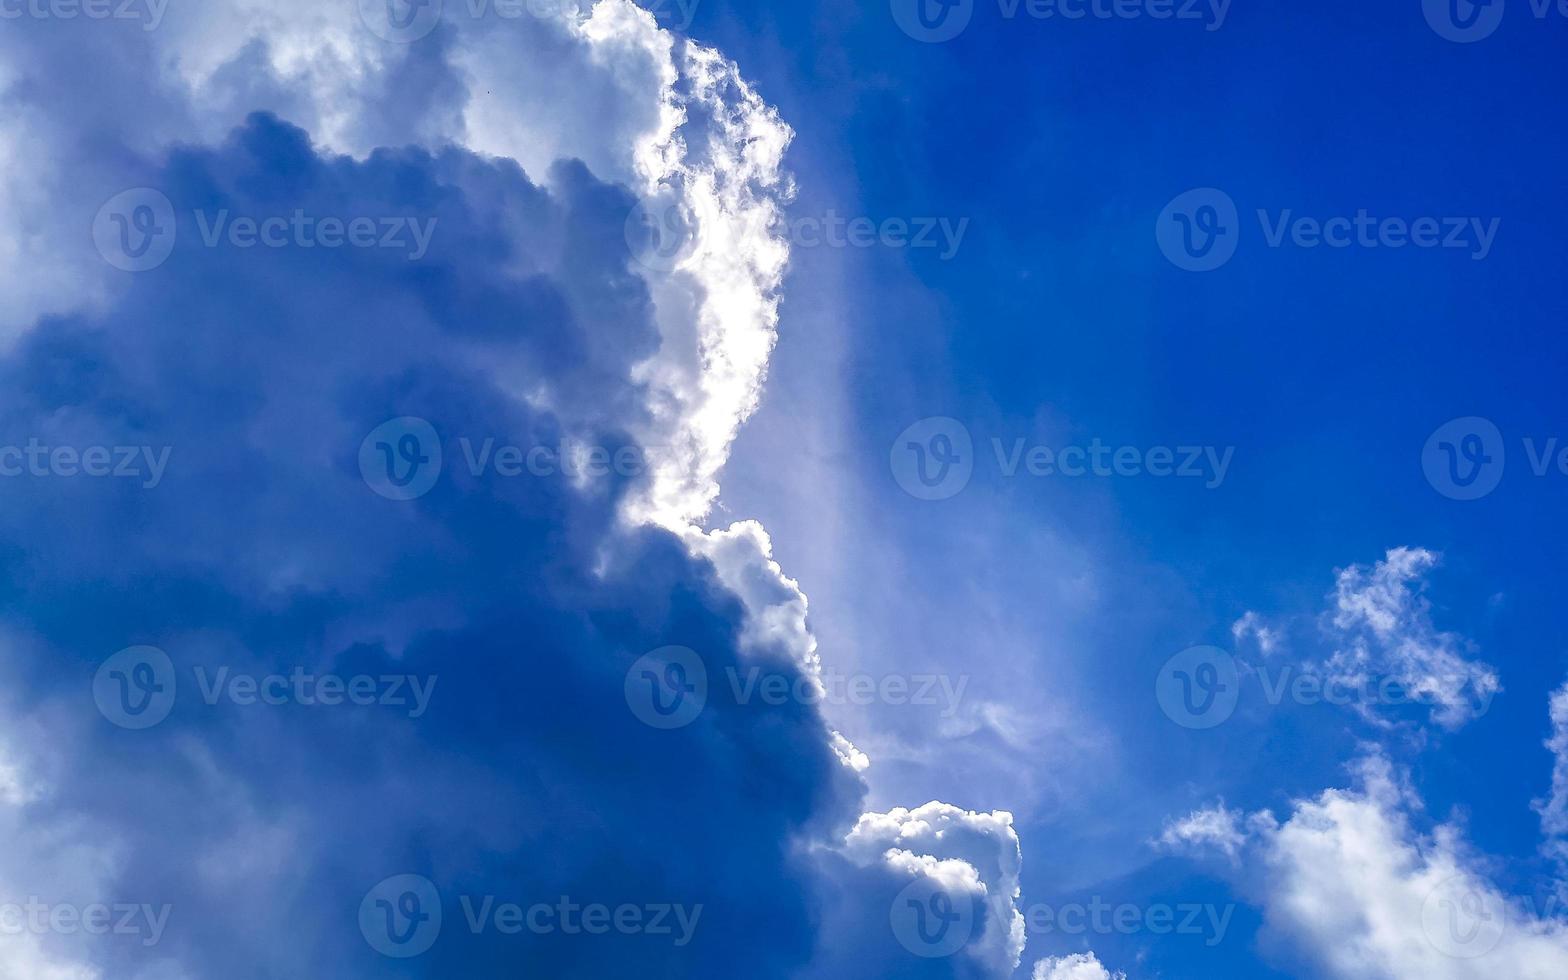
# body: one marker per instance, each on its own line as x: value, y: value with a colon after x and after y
x: 1032, y: 496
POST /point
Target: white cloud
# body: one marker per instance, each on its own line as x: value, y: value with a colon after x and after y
x: 970, y: 853
x: 1352, y: 883
x: 1082, y: 966
x: 1554, y: 809
x: 1216, y: 827
x: 1381, y: 627
x: 1251, y: 624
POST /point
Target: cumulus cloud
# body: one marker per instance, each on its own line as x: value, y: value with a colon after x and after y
x: 1381, y: 626
x: 1352, y: 883
x: 1553, y: 809
x: 1081, y: 966
x: 261, y: 548
x: 1215, y: 827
